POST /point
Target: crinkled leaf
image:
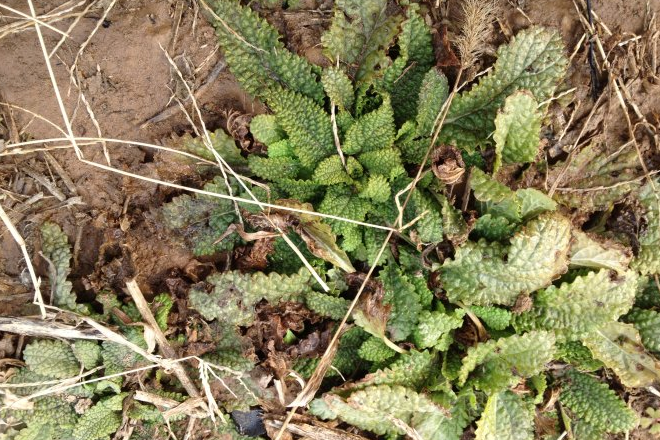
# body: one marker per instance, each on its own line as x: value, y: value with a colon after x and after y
x: 503, y: 361
x: 647, y: 322
x: 432, y: 96
x: 381, y: 408
x: 486, y: 273
x: 648, y: 259
x: 257, y: 57
x: 517, y: 130
x: 574, y: 309
x: 506, y: 417
x: 373, y: 131
x: 338, y: 87
x: 359, y: 34
x: 594, y: 403
x: 533, y: 60
x: 51, y: 358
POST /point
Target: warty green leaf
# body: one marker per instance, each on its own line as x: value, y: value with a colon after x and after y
x: 306, y: 123
x: 55, y: 248
x: 497, y: 364
x: 235, y: 294
x: 479, y: 274
x: 432, y: 95
x: 51, y: 358
x: 265, y: 129
x: 257, y: 57
x: 594, y: 403
x: 517, y: 130
x: 595, y: 178
x: 533, y: 60
x: 402, y: 79
x: 494, y: 317
x: 338, y: 87
x: 648, y: 259
x: 380, y: 408
x: 222, y: 144
x: 411, y: 370
x: 647, y: 323
x: 401, y: 294
x: 574, y: 309
x: 434, y: 329
x: 372, y: 132
x: 331, y: 171
x: 274, y: 168
x: 358, y: 36
x: 506, y: 417
x: 101, y: 420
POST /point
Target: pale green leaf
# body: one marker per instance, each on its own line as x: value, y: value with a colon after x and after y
x: 506, y: 417
x: 574, y: 309
x: 517, y: 130
x: 486, y: 273
x: 589, y: 252
x: 619, y: 347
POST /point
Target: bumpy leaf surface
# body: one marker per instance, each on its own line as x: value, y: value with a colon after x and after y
x: 55, y: 247
x: 493, y: 317
x: 402, y: 79
x: 647, y: 322
x: 517, y: 130
x: 594, y: 403
x: 338, y: 87
x: 257, y: 57
x: 648, y: 260
x: 359, y: 34
x: 506, y: 417
x: 379, y: 408
x: 574, y: 309
x: 434, y: 329
x: 235, y: 294
x: 595, y: 178
x: 401, y: 294
x: 88, y: 353
x: 504, y: 359
x: 265, y: 129
x: 533, y: 60
x: 588, y: 252
x: 101, y: 420
x: 223, y: 144
x: 479, y: 273
x: 51, y: 358
x: 432, y: 96
x: 373, y: 131
x: 308, y: 126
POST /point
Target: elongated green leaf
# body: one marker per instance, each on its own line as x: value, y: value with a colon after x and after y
x: 487, y: 273
x: 594, y: 403
x: 517, y: 130
x: 533, y: 60
x: 574, y: 309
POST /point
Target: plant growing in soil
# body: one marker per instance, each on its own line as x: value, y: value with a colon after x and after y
x: 502, y: 331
